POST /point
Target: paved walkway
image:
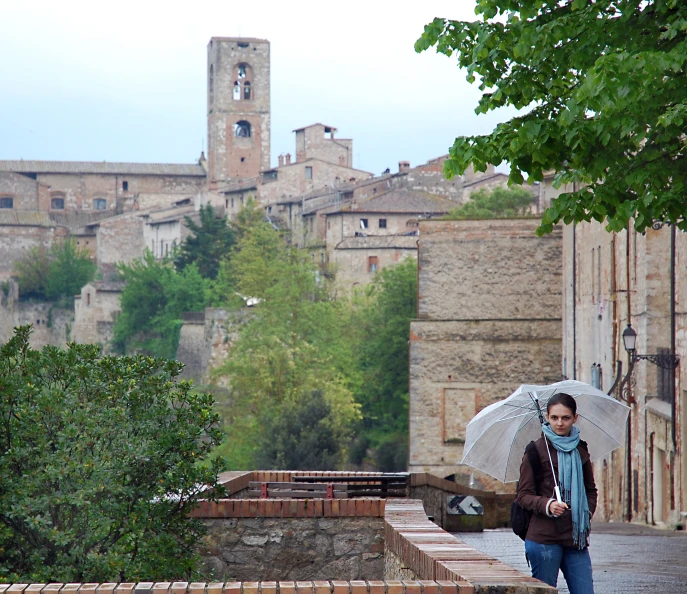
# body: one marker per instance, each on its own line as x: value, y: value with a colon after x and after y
x: 627, y: 558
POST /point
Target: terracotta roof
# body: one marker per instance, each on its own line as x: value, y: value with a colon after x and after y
x: 313, y: 125
x: 32, y: 218
x: 403, y: 201
x: 104, y: 167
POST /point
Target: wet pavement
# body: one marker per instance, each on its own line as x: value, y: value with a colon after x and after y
x: 626, y: 558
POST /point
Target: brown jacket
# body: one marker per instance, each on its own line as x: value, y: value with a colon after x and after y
x: 544, y: 529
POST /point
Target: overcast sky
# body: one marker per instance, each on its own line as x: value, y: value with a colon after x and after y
x: 125, y: 80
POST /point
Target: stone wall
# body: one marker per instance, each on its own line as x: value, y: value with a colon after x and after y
x: 295, y: 548
x: 205, y: 340
x: 51, y: 325
x: 489, y: 310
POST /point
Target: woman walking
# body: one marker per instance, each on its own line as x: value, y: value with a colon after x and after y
x: 558, y: 533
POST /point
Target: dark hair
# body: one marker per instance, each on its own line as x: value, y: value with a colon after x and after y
x: 561, y: 398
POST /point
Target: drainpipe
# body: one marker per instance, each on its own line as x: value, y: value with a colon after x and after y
x: 673, y: 404
x: 574, y: 299
x: 628, y: 461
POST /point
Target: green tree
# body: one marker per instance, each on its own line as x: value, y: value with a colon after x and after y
x: 500, y: 203
x: 604, y: 89
x: 383, y: 362
x: 54, y: 274
x: 304, y: 436
x: 154, y: 298
x: 70, y: 269
x: 32, y: 271
x: 297, y: 342
x: 209, y: 242
x: 98, y: 466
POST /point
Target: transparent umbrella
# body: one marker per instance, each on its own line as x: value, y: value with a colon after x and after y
x: 497, y: 436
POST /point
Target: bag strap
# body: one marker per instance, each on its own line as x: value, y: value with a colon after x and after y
x: 535, y: 462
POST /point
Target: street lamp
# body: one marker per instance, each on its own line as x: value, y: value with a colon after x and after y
x: 664, y: 361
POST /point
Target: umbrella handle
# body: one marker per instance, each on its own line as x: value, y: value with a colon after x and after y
x: 558, y: 494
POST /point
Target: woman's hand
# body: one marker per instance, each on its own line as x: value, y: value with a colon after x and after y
x: 557, y: 509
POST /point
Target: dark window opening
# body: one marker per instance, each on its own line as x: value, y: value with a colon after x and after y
x: 373, y: 264
x: 237, y: 91
x: 88, y: 298
x: 243, y: 44
x: 664, y: 380
x: 246, y: 90
x: 242, y: 129
x: 363, y: 223
x: 211, y: 82
x: 242, y: 71
x: 6, y: 202
x: 382, y: 223
x: 328, y: 133
x: 125, y: 186
x: 308, y: 173
x: 243, y: 159
x: 57, y: 203
x: 100, y: 204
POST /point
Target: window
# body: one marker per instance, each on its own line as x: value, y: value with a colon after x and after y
x: 363, y: 223
x: 308, y: 173
x: 57, y: 203
x: 211, y: 82
x: 100, y: 204
x: 242, y: 70
x: 6, y: 202
x: 597, y: 376
x: 237, y: 91
x: 242, y: 129
x: 246, y: 90
x: 382, y: 223
x: 372, y: 264
x: 125, y: 186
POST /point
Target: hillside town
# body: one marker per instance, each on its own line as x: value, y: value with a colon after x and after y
x: 497, y: 304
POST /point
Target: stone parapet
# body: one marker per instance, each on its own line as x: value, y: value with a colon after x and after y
x: 428, y: 552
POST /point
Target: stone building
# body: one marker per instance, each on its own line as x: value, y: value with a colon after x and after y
x: 238, y: 108
x: 365, y: 236
x: 95, y: 311
x: 489, y: 319
x: 612, y: 280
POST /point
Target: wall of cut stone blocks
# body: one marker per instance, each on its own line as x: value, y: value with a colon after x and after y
x: 489, y: 319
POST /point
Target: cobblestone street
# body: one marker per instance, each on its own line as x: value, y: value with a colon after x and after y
x: 627, y: 559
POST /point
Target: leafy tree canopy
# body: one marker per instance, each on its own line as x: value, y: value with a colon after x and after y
x: 98, y: 466
x: 153, y: 301
x: 604, y: 88
x: 209, y: 242
x: 54, y: 274
x: 296, y: 343
x: 383, y: 361
x: 498, y: 203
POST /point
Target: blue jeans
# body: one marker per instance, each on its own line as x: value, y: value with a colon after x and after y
x: 576, y: 565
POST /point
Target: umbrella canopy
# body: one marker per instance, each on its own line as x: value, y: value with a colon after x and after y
x: 495, y: 439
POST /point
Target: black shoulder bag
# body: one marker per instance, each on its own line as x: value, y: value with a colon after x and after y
x: 520, y: 517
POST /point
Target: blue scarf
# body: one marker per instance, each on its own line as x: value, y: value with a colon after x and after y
x: 571, y: 481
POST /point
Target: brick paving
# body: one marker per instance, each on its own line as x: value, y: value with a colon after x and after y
x: 626, y: 558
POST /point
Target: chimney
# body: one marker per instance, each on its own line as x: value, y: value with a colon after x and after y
x: 281, y: 160
x: 288, y: 158
x: 403, y: 166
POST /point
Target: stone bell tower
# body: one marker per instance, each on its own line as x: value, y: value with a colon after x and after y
x: 238, y: 108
